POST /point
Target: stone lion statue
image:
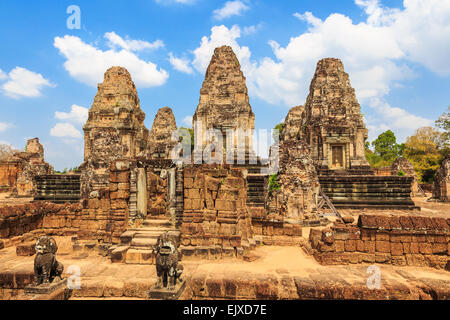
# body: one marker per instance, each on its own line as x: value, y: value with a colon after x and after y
x: 46, y: 268
x: 167, y: 268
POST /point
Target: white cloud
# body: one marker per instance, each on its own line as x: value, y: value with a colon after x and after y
x: 231, y: 8
x: 65, y: 130
x: 187, y: 121
x: 88, y: 64
x: 180, y: 64
x: 24, y: 83
x: 249, y: 30
x: 220, y: 35
x: 3, y: 75
x: 5, y: 126
x: 387, y: 117
x: 116, y: 41
x: 78, y: 115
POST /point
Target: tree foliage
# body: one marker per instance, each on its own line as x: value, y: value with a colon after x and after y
x: 386, y: 150
x: 424, y: 151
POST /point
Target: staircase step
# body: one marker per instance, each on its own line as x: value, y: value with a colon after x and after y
x: 143, y: 242
x: 157, y: 223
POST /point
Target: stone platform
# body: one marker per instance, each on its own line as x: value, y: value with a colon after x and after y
x: 46, y: 288
x: 274, y: 273
x: 371, y: 192
x: 165, y: 294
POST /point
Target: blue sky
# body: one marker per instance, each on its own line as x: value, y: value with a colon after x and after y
x: 396, y: 52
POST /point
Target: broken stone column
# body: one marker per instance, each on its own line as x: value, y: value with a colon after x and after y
x: 442, y: 181
x: 141, y: 192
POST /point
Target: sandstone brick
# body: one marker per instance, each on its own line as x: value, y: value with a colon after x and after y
x: 369, y: 246
x: 360, y: 246
x: 350, y: 245
x: 382, y: 246
x: 382, y: 236
x: 340, y: 245
x: 396, y: 248
x: 425, y: 248
x: 439, y: 248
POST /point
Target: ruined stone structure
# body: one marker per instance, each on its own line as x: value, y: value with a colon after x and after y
x: 18, y: 172
x: 114, y: 130
x: 401, y: 167
x: 292, y: 124
x: 442, y: 181
x: 224, y: 105
x: 161, y: 144
x: 216, y: 222
x: 299, y: 185
x: 396, y: 240
x: 333, y: 124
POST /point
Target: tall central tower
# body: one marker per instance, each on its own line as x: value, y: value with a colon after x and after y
x: 224, y: 104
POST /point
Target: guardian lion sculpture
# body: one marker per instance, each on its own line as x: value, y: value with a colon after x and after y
x: 167, y: 268
x: 46, y: 268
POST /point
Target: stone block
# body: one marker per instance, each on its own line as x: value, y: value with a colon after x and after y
x: 27, y: 249
x: 396, y: 249
x: 425, y: 248
x: 383, y: 246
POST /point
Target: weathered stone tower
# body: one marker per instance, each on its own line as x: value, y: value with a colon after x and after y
x: 161, y: 143
x: 224, y: 104
x: 114, y: 130
x: 333, y: 124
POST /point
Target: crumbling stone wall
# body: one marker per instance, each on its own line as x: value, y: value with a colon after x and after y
x: 114, y: 130
x: 103, y: 217
x: 216, y: 222
x: 18, y: 172
x: 332, y: 119
x: 442, y: 181
x: 298, y: 185
x: 402, y: 165
x: 404, y: 240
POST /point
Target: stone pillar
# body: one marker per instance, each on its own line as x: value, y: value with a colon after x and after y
x: 179, y: 195
x: 141, y: 192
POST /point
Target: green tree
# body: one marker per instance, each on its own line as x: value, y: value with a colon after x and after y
x: 422, y: 150
x: 386, y: 147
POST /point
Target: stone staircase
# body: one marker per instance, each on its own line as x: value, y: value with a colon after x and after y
x: 58, y: 188
x: 137, y: 244
x: 370, y: 192
x: 256, y: 190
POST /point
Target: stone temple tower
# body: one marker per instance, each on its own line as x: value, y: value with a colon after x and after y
x: 332, y: 122
x: 115, y: 128
x: 224, y: 105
